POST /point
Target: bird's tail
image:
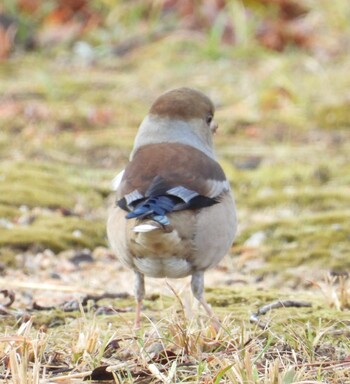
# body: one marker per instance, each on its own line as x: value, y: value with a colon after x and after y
x: 151, y: 214
x: 147, y: 226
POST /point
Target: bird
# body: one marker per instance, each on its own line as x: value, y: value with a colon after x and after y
x: 174, y: 214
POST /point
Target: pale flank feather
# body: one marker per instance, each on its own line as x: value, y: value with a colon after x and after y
x: 117, y: 180
x: 217, y: 187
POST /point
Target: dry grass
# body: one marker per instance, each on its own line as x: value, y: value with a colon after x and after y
x: 178, y: 349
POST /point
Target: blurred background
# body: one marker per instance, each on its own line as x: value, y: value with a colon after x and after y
x: 76, y: 79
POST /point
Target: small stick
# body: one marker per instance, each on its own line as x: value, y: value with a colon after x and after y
x: 7, y: 293
x: 72, y: 305
x: 254, y: 318
x: 72, y: 376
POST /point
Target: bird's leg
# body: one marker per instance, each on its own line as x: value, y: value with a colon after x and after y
x: 139, y: 295
x: 197, y: 285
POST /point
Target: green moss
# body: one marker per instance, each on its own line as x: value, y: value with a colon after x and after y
x: 53, y: 318
x: 319, y: 240
x: 46, y: 194
x: 8, y: 212
x: 312, y: 198
x: 334, y: 116
x: 55, y: 232
x: 53, y: 188
x: 49, y: 185
x: 8, y: 256
x: 244, y: 301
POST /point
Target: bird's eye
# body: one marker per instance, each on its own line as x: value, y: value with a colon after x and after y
x: 209, y: 119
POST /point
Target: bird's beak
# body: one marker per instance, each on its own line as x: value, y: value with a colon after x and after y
x: 214, y: 126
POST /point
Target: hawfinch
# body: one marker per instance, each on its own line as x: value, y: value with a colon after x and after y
x: 174, y: 214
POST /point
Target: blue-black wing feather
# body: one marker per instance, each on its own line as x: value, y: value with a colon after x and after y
x: 159, y: 200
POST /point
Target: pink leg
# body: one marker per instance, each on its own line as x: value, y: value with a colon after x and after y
x: 214, y: 319
x: 139, y: 295
x: 197, y: 285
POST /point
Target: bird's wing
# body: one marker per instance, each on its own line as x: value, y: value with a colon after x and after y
x: 183, y: 173
x: 168, y: 165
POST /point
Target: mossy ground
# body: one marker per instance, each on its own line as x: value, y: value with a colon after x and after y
x: 284, y: 143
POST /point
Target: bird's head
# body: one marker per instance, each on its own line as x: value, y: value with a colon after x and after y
x: 186, y: 104
x: 182, y: 115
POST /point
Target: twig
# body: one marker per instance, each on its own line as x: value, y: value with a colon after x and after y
x: 7, y: 293
x: 106, y: 295
x: 254, y: 318
x: 73, y: 305
x: 72, y: 376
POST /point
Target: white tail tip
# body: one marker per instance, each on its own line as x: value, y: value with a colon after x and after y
x: 145, y: 228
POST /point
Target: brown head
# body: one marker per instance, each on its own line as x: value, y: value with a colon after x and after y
x: 182, y: 115
x: 183, y: 104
